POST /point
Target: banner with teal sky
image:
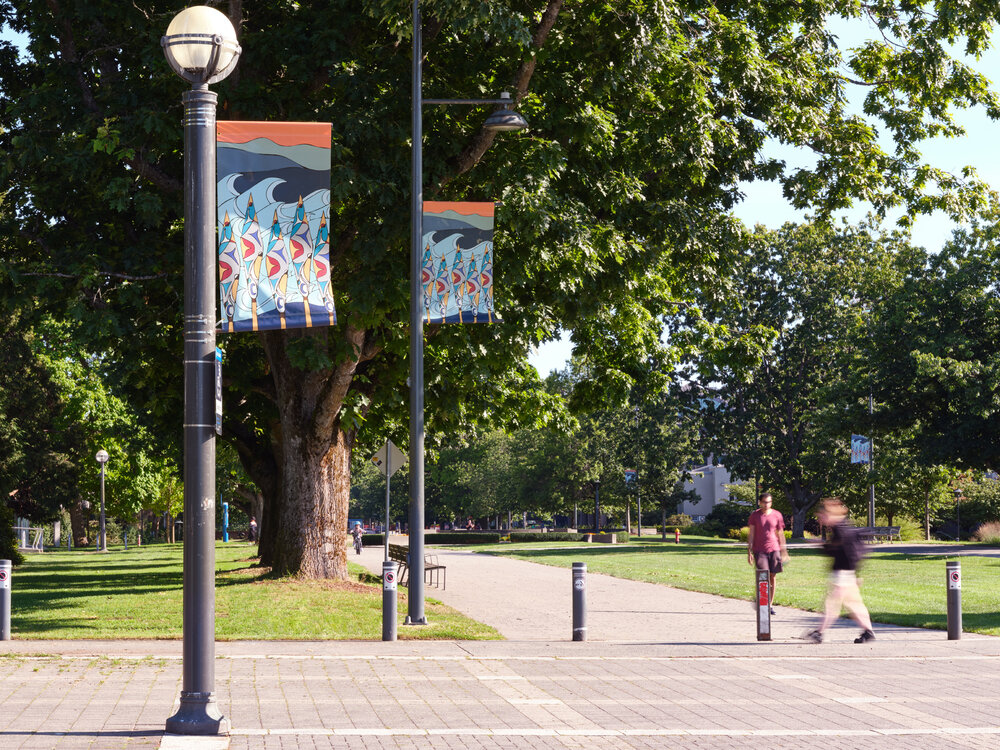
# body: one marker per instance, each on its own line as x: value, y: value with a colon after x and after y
x: 274, y: 209
x: 457, y: 268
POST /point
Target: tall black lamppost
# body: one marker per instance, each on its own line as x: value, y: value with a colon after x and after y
x: 102, y: 544
x: 958, y: 514
x: 201, y: 47
x: 502, y: 119
x: 597, y: 505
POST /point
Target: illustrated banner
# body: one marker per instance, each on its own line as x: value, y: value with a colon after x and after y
x: 861, y: 450
x: 274, y: 205
x: 457, y: 271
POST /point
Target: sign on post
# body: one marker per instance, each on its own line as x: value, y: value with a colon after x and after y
x: 390, y: 458
x: 763, y: 605
x: 218, y: 391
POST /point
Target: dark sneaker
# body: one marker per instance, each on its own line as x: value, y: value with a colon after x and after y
x: 816, y: 636
x: 865, y: 636
x: 772, y: 610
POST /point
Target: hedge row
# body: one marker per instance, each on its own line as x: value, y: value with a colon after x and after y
x: 621, y: 537
x: 454, y: 537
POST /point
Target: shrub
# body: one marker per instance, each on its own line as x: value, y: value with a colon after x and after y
x: 988, y: 532
x: 552, y: 536
x: 679, y: 520
x: 724, y: 517
x: 8, y: 539
x: 742, y: 535
x: 463, y: 537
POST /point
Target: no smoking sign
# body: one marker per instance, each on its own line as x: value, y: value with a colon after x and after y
x: 954, y: 579
x: 4, y: 579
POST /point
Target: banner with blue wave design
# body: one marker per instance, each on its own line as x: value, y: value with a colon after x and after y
x: 274, y: 208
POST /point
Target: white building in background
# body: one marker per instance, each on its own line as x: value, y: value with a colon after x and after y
x: 709, y: 482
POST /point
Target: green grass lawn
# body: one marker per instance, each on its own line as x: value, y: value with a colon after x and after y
x: 137, y: 594
x: 897, y: 588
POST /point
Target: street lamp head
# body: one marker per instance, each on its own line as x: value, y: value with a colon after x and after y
x: 102, y: 456
x: 200, y: 45
x: 505, y: 118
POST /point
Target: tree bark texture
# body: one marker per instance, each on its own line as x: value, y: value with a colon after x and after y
x: 304, y: 524
x: 78, y: 523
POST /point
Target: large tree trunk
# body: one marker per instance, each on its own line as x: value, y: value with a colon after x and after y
x: 311, y: 537
x: 304, y: 524
x: 802, y: 501
x: 78, y: 522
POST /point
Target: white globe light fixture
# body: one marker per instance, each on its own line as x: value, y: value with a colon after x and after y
x: 200, y: 45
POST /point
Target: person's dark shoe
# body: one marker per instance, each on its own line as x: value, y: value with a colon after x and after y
x: 865, y: 636
x: 816, y: 636
x: 772, y: 610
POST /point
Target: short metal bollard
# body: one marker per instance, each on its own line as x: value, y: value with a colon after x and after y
x: 388, y: 600
x: 954, y: 577
x: 763, y: 592
x: 5, y: 568
x: 579, y: 601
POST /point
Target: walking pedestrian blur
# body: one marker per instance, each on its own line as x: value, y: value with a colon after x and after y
x: 253, y: 529
x: 846, y: 550
x: 766, y: 541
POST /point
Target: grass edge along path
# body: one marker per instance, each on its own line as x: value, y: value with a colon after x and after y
x: 898, y: 588
x: 137, y: 594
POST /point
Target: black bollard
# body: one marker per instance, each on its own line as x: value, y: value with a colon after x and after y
x: 388, y: 600
x: 954, y: 577
x: 5, y: 600
x: 763, y: 592
x: 579, y: 601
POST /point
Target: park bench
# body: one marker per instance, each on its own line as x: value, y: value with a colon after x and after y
x: 879, y: 533
x: 434, y: 572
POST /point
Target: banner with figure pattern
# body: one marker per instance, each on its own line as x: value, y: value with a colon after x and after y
x: 274, y: 210
x: 457, y: 269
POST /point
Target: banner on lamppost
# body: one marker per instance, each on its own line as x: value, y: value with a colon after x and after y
x: 274, y: 208
x: 861, y: 449
x: 457, y: 268
x: 630, y: 475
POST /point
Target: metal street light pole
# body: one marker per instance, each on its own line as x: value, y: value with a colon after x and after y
x: 958, y: 515
x: 502, y: 119
x: 200, y: 45
x: 102, y: 545
x: 597, y: 506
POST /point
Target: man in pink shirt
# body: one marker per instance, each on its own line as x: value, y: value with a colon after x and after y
x: 766, y: 540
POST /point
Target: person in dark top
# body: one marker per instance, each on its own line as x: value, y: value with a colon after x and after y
x: 846, y: 550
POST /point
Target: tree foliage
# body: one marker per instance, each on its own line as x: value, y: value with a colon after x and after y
x: 646, y: 117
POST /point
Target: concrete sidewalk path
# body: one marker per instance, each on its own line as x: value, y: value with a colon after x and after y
x: 888, y: 695
x: 528, y: 601
x: 663, y: 668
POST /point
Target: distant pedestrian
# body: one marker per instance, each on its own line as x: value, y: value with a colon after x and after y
x: 766, y: 541
x: 253, y: 529
x: 846, y: 550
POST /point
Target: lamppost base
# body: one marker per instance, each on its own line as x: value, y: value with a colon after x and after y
x: 411, y: 621
x: 198, y: 714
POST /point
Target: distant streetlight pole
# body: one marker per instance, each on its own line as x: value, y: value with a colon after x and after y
x: 503, y: 118
x: 102, y: 543
x: 597, y: 505
x: 638, y: 493
x: 201, y: 47
x: 958, y: 514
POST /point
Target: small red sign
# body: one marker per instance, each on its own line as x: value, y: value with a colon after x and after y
x: 762, y: 593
